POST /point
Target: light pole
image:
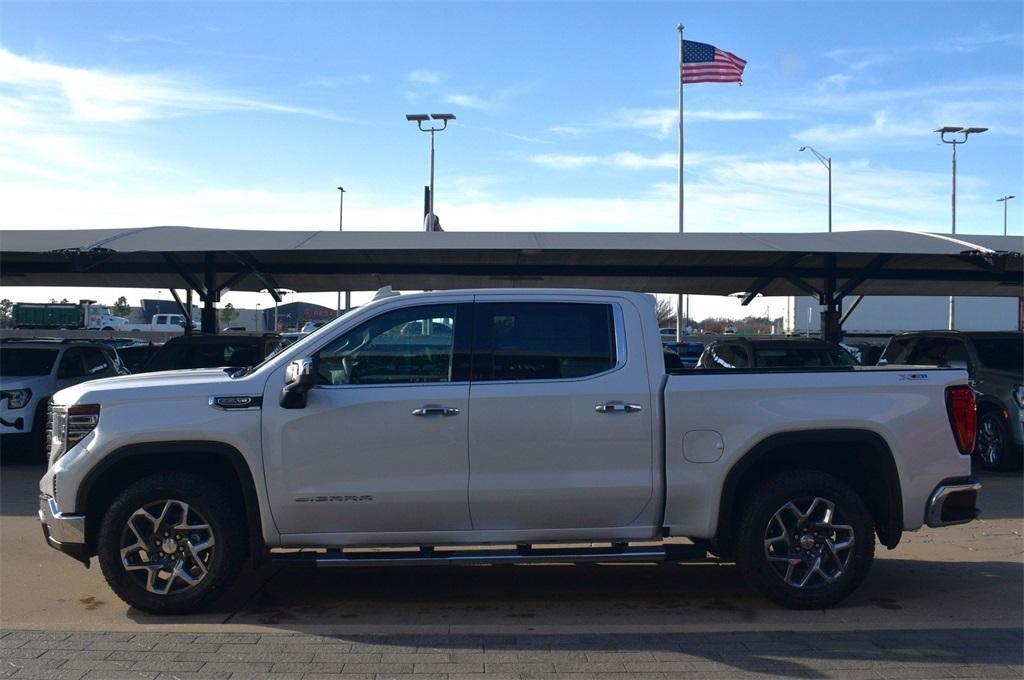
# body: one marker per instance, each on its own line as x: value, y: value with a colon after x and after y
x: 966, y: 132
x: 1004, y: 200
x: 341, y: 222
x: 827, y: 162
x: 419, y: 119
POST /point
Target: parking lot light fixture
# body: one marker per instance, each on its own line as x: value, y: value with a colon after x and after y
x: 827, y: 162
x: 1004, y: 200
x: 419, y: 119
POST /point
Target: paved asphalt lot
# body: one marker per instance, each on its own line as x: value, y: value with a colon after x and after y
x: 946, y: 603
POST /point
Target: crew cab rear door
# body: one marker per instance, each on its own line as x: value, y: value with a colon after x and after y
x: 560, y: 418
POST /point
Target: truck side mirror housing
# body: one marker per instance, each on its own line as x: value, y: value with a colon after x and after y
x: 300, y: 376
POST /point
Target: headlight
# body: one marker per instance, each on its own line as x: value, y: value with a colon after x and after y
x: 16, y: 398
x: 1018, y: 394
x: 69, y: 425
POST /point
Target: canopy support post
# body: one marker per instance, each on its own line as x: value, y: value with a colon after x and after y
x: 212, y: 294
x: 831, y: 304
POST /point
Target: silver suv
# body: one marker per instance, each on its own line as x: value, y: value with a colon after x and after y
x: 31, y: 372
x: 994, y: 363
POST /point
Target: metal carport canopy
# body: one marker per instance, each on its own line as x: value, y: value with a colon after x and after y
x: 875, y: 262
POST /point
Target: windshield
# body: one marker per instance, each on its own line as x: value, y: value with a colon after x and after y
x: 1002, y: 354
x: 801, y: 357
x: 26, y: 361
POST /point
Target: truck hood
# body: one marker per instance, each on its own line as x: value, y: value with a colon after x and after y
x: 156, y: 386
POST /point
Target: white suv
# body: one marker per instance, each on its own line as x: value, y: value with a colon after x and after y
x: 31, y: 372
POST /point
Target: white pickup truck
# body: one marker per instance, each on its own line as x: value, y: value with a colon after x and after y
x: 498, y: 424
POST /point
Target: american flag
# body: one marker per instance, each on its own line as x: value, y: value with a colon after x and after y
x: 703, y: 63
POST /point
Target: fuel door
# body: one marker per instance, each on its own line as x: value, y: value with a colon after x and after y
x: 703, y: 446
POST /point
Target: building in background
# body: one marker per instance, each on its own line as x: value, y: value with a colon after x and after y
x: 894, y: 314
x: 294, y: 315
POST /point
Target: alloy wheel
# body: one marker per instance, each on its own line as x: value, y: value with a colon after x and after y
x: 167, y: 546
x: 990, y: 441
x: 807, y: 542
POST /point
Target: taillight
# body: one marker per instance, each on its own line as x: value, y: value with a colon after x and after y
x: 963, y: 416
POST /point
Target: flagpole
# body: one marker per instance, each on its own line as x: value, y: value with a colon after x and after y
x: 679, y: 297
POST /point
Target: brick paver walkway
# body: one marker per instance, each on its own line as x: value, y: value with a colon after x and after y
x: 963, y: 653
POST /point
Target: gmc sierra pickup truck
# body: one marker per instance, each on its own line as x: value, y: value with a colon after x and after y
x: 477, y: 427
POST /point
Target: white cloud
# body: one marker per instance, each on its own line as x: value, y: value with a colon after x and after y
x: 628, y: 160
x: 95, y: 96
x: 468, y: 101
x: 660, y: 122
x: 420, y: 77
x: 564, y: 161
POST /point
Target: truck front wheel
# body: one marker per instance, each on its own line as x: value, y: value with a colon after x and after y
x: 170, y: 544
x: 806, y: 541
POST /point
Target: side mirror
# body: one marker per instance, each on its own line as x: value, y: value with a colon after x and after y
x: 299, y: 377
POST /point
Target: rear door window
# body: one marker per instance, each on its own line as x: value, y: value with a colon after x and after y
x: 542, y: 340
x: 94, y: 361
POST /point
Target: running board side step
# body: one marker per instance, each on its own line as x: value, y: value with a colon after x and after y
x: 522, y: 555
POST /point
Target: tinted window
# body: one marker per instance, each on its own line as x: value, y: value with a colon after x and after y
x: 71, y: 364
x: 411, y: 345
x: 173, y: 356
x: 1001, y: 353
x: 724, y: 355
x: 95, y: 361
x: 542, y: 340
x: 26, y: 361
x: 895, y: 349
x: 801, y: 357
x: 938, y: 352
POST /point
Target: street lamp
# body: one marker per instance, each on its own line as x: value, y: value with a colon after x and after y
x: 419, y: 119
x: 827, y: 162
x: 1004, y: 200
x: 966, y: 132
x: 341, y: 222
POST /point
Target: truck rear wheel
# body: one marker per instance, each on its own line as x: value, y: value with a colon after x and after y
x: 806, y: 541
x: 170, y: 544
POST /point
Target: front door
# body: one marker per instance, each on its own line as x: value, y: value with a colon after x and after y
x: 560, y: 426
x: 380, y: 446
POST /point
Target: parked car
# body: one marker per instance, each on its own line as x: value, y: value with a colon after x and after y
x: 688, y: 352
x: 135, y: 356
x: 994, y: 363
x: 866, y: 352
x: 518, y: 417
x: 768, y: 352
x: 31, y: 372
x: 212, y: 351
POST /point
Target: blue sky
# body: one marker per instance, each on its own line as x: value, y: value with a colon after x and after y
x: 249, y: 115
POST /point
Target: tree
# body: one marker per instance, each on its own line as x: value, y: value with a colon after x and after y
x: 227, y: 314
x: 121, y: 307
x: 6, y: 313
x: 666, y: 313
x: 62, y: 301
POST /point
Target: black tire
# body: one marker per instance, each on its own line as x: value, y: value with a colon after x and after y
x: 994, y: 450
x: 765, y: 518
x: 206, y: 501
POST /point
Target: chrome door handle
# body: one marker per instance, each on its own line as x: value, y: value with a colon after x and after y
x: 617, y: 407
x: 435, y: 411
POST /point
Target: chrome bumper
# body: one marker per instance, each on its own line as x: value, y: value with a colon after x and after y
x: 64, y: 532
x: 953, y: 502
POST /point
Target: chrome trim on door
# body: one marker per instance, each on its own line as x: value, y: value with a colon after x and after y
x: 435, y: 411
x: 618, y: 407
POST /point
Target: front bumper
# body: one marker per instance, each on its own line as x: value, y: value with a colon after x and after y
x: 954, y: 501
x: 64, y: 532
